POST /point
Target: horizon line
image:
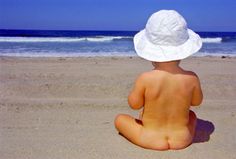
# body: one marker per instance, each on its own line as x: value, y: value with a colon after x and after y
x: 98, y: 30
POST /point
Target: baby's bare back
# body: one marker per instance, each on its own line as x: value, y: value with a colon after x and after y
x: 168, y: 98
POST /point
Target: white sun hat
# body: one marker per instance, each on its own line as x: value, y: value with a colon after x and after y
x: 166, y: 38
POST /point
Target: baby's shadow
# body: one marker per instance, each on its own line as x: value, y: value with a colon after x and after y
x: 203, y: 131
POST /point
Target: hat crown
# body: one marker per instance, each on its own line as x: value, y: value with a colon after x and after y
x: 167, y: 27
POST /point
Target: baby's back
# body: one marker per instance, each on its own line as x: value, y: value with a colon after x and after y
x: 167, y: 100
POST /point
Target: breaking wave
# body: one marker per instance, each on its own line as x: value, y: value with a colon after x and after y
x: 212, y: 40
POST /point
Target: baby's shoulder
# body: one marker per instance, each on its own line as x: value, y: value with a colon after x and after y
x: 145, y: 77
x: 191, y: 76
x: 150, y: 77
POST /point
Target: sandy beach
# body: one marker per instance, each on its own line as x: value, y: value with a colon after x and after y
x: 61, y: 108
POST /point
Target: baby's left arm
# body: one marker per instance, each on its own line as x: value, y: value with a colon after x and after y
x: 136, y: 96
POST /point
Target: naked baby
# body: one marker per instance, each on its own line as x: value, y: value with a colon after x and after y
x: 165, y: 93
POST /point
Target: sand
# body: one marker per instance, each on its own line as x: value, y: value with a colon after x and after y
x: 59, y: 108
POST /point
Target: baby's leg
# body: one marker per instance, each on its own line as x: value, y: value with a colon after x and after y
x: 129, y: 127
x: 133, y: 130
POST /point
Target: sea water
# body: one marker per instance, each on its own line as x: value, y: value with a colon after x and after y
x: 39, y: 43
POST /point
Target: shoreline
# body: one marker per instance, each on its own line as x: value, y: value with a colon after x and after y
x: 133, y: 55
x: 61, y: 107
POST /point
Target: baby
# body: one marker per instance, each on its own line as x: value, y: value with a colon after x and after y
x: 167, y: 92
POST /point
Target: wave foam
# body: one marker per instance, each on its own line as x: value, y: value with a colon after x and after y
x: 63, y: 39
x: 212, y: 40
x: 99, y: 39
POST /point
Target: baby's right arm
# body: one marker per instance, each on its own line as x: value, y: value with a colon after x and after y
x: 197, y: 96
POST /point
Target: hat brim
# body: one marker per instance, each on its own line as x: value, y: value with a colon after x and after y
x: 162, y: 53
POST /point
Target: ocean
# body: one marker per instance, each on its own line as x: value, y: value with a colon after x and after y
x: 49, y: 43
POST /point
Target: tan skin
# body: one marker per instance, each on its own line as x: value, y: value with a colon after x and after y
x: 166, y: 121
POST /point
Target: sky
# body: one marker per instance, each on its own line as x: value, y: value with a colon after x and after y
x: 129, y: 15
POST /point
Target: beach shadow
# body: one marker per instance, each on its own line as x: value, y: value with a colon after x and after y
x: 203, y: 131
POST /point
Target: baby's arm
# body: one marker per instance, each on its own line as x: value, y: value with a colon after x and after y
x: 197, y: 93
x: 136, y: 96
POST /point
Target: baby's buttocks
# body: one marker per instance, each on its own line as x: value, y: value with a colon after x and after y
x: 155, y: 140
x: 166, y: 139
x: 179, y: 140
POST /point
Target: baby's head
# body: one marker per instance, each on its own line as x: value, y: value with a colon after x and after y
x: 166, y: 38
